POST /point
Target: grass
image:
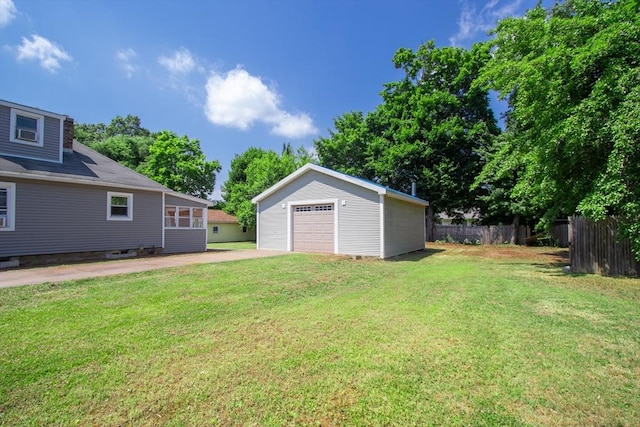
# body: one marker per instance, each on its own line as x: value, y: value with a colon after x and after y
x: 232, y: 245
x: 457, y: 335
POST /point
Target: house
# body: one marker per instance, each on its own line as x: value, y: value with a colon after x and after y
x: 316, y: 209
x: 223, y: 227
x: 58, y: 196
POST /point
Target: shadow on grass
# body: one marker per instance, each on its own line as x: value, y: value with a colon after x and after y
x: 415, y: 256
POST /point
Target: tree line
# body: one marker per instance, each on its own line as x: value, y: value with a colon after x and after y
x: 171, y: 160
x: 570, y: 143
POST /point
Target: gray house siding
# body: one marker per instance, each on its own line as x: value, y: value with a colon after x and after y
x: 66, y: 218
x: 403, y: 227
x: 52, y: 139
x: 358, y: 219
x: 179, y: 201
x: 185, y: 239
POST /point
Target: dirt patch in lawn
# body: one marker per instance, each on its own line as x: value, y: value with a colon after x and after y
x: 538, y: 255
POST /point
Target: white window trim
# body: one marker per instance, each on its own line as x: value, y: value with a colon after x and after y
x: 129, y: 216
x: 11, y: 205
x: 177, y: 208
x: 39, y: 131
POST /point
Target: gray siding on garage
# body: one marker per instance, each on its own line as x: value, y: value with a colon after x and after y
x: 403, y: 227
x: 358, y: 220
x: 66, y: 218
x: 52, y: 139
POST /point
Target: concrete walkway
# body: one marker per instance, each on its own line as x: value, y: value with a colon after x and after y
x: 62, y: 273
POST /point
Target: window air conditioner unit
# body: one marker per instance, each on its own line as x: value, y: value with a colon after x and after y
x: 3, y: 222
x: 27, y: 135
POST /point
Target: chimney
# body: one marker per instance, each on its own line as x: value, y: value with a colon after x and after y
x: 67, y: 135
x: 413, y: 189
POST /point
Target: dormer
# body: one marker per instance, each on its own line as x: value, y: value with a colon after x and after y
x: 32, y: 133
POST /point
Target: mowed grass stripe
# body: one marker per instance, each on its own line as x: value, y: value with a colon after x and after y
x: 456, y: 336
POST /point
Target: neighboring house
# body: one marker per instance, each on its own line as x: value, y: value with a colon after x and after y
x: 224, y: 227
x: 316, y: 209
x: 58, y: 196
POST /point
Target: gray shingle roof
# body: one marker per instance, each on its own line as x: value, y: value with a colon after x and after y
x: 84, y: 166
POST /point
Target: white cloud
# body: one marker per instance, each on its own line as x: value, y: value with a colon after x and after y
x: 239, y: 99
x: 8, y: 12
x: 181, y: 62
x: 125, y: 57
x: 293, y: 126
x: 39, y: 48
x: 471, y: 22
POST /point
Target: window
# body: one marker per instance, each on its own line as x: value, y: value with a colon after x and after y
x: 26, y: 128
x: 244, y: 229
x: 119, y: 206
x: 170, y: 216
x: 196, y: 218
x: 216, y: 229
x: 7, y: 206
x: 183, y: 217
x: 315, y: 208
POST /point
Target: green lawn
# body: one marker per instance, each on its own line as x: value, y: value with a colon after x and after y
x: 458, y: 335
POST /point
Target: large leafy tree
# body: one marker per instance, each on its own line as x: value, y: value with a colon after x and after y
x: 571, y: 76
x: 178, y: 163
x: 130, y: 151
x: 91, y: 133
x: 254, y: 171
x: 123, y: 139
x: 430, y: 129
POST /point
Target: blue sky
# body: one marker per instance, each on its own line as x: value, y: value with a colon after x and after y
x: 232, y: 74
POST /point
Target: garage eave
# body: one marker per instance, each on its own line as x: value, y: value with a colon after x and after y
x: 379, y: 189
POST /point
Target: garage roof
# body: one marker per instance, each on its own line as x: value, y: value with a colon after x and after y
x: 380, y: 189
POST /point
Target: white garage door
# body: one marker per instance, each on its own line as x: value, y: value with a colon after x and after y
x: 313, y: 228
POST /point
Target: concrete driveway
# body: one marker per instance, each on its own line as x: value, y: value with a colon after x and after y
x: 62, y: 273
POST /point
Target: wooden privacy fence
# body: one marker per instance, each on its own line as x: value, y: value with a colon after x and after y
x: 595, y: 249
x: 483, y: 234
x: 560, y: 235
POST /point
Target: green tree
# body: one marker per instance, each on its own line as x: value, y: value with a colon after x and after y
x: 129, y: 125
x: 254, y: 171
x: 130, y: 151
x: 346, y: 147
x: 178, y: 163
x: 123, y: 140
x: 571, y: 76
x: 430, y: 129
x: 92, y: 133
x: 88, y: 134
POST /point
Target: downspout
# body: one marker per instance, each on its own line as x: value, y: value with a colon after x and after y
x: 382, y: 239
x: 257, y: 225
x: 162, y: 217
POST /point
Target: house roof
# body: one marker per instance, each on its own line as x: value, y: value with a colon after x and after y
x: 220, y: 217
x: 380, y: 189
x: 84, y: 166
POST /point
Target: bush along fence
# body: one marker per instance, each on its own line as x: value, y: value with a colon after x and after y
x: 595, y: 248
x: 480, y: 234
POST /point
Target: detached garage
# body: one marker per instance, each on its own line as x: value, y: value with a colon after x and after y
x: 316, y: 209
